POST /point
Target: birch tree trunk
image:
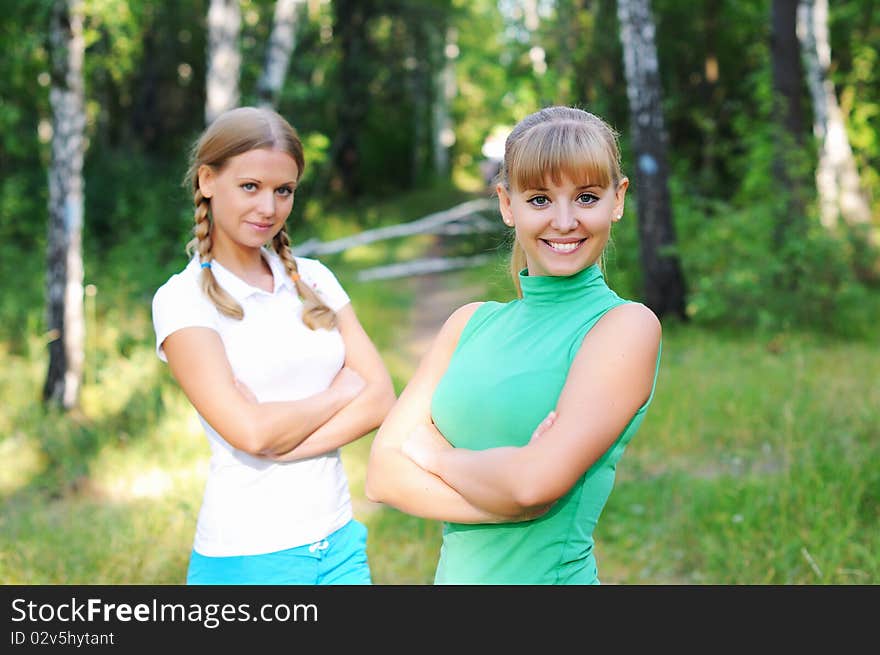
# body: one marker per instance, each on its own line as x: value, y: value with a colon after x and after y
x: 224, y: 58
x: 837, y: 178
x: 663, y: 278
x: 281, y: 44
x: 64, y: 266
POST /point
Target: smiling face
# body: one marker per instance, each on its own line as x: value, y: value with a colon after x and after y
x: 561, y: 188
x: 562, y: 226
x: 251, y: 197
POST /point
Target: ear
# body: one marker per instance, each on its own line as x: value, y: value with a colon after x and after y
x: 619, y: 195
x: 207, y: 179
x: 504, y: 205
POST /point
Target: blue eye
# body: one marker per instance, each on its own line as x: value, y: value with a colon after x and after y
x: 588, y: 198
x: 539, y: 201
x: 284, y: 191
x: 249, y: 186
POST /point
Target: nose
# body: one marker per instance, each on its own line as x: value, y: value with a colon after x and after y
x: 564, y: 218
x: 266, y: 204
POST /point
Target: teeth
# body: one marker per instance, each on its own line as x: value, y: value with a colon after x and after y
x: 563, y: 247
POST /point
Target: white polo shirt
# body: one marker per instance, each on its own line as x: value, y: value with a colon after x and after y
x: 252, y: 505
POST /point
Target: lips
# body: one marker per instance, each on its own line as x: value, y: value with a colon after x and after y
x: 564, y: 246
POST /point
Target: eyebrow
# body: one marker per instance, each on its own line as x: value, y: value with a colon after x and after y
x: 256, y: 179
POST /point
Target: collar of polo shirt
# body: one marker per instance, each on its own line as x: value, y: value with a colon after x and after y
x: 239, y: 289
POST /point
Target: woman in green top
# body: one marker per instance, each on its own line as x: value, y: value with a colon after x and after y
x: 512, y: 426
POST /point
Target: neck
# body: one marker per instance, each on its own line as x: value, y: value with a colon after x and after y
x: 246, y: 263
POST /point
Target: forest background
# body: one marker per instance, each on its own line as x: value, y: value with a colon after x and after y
x: 752, y: 230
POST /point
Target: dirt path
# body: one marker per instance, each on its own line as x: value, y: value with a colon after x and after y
x: 437, y: 296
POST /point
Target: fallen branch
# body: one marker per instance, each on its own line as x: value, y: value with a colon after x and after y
x: 422, y: 267
x: 439, y: 222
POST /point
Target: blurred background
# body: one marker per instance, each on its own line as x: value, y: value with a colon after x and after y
x: 749, y: 131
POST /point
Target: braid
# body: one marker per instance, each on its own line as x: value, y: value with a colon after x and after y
x: 315, y: 313
x: 202, y: 243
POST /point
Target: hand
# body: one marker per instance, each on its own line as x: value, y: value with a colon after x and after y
x: 245, y: 391
x: 423, y: 445
x: 543, y: 426
x: 348, y: 382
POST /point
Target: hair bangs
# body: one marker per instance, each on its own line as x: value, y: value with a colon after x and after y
x: 559, y: 151
x: 242, y: 129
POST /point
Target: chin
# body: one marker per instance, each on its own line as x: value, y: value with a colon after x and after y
x: 564, y: 269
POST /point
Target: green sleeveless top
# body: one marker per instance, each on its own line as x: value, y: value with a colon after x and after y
x: 504, y: 377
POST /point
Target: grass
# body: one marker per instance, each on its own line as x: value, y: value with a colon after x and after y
x: 756, y: 463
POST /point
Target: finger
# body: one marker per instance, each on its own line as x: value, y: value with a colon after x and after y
x: 544, y: 425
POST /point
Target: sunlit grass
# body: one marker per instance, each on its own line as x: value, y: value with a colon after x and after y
x: 85, y: 539
x: 755, y: 465
x: 22, y: 460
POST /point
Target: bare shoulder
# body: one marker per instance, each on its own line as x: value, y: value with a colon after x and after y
x: 459, y: 318
x: 631, y: 325
x: 633, y: 317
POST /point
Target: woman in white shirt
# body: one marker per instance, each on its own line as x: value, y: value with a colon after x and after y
x: 269, y: 351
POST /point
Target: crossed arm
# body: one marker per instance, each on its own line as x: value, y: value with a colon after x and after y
x: 367, y: 410
x: 414, y: 469
x: 394, y: 478
x: 355, y: 402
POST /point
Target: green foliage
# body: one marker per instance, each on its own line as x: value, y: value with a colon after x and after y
x: 743, y: 270
x: 855, y: 43
x: 141, y: 216
x: 23, y: 197
x: 145, y: 81
x: 739, y: 278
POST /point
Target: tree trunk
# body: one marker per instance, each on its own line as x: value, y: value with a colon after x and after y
x: 350, y: 22
x: 417, y: 83
x: 566, y: 33
x: 710, y: 91
x: 663, y: 278
x: 64, y: 266
x: 444, y: 135
x: 787, y: 80
x: 837, y: 178
x: 281, y: 45
x: 224, y: 58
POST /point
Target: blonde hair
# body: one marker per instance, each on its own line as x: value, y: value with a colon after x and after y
x: 557, y: 143
x: 233, y: 133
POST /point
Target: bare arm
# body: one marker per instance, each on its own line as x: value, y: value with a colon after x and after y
x: 367, y: 410
x: 392, y: 477
x: 198, y: 362
x: 610, y: 378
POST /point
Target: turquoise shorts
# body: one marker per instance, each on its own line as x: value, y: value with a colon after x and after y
x: 340, y: 558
